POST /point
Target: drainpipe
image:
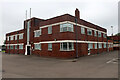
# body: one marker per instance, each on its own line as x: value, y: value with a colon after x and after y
x: 76, y: 36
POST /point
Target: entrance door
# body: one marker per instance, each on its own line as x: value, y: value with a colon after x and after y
x: 28, y: 50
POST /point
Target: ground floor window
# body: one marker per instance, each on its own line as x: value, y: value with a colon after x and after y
x: 15, y: 46
x: 104, y: 45
x: 49, y: 46
x: 11, y: 47
x: 20, y: 46
x: 37, y: 46
x: 7, y: 47
x: 100, y: 45
x: 67, y: 46
x: 95, y: 45
x: 90, y: 46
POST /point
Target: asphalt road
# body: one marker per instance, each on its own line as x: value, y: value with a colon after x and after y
x: 103, y: 65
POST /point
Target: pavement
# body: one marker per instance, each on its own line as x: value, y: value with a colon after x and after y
x: 104, y: 65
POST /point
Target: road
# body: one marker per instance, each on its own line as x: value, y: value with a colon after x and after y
x: 103, y: 65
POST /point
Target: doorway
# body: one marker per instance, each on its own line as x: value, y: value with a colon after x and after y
x: 28, y: 50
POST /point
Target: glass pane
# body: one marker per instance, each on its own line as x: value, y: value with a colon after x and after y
x: 64, y: 29
x: 70, y: 46
x: 64, y: 46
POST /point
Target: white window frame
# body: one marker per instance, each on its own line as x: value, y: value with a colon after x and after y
x: 36, y: 33
x: 8, y: 38
x: 100, y: 45
x: 68, y: 49
x: 90, y: 45
x: 11, y: 47
x: 89, y: 30
x: 36, y: 47
x: 20, y: 46
x: 50, y: 46
x: 95, y: 45
x: 21, y: 36
x: 95, y: 33
x: 104, y: 45
x: 99, y: 34
x: 12, y: 37
x: 49, y: 29
x: 68, y: 26
x: 82, y: 30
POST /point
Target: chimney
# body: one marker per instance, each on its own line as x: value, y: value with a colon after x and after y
x: 77, y: 15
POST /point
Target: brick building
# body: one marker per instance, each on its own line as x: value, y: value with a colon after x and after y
x: 64, y: 36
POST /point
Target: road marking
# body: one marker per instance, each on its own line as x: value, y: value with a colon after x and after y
x: 112, y: 61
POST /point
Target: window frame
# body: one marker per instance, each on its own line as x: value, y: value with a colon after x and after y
x: 36, y: 47
x: 20, y: 36
x: 99, y: 34
x: 95, y: 45
x: 36, y: 32
x: 62, y: 26
x: 95, y: 33
x: 50, y: 46
x: 49, y: 29
x: 89, y: 30
x: 20, y: 47
x: 99, y: 45
x: 82, y: 30
x: 68, y: 48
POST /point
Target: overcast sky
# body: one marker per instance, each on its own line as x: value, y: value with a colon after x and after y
x: 100, y: 12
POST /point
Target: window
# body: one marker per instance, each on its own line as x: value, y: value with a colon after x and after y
x: 90, y: 46
x: 67, y: 46
x: 66, y: 27
x: 37, y: 33
x: 104, y: 45
x: 37, y: 46
x: 50, y: 30
x: 15, y: 46
x: 82, y: 30
x: 100, y: 45
x: 15, y: 37
x: 7, y: 47
x: 99, y: 34
x: 11, y: 37
x: 95, y: 33
x: 104, y: 35
x: 11, y: 47
x: 20, y: 46
x: 40, y: 31
x: 21, y: 36
x: 7, y: 38
x: 49, y: 46
x: 89, y: 31
x: 95, y: 45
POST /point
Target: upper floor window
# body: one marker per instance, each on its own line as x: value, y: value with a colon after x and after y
x: 104, y: 35
x: 21, y: 36
x: 66, y: 27
x: 99, y: 34
x: 37, y: 33
x: 7, y: 38
x: 49, y: 46
x: 66, y: 46
x: 40, y: 31
x: 15, y: 37
x: 11, y: 37
x: 37, y: 46
x: 82, y: 30
x: 95, y: 33
x: 50, y: 30
x: 100, y: 45
x: 89, y: 31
